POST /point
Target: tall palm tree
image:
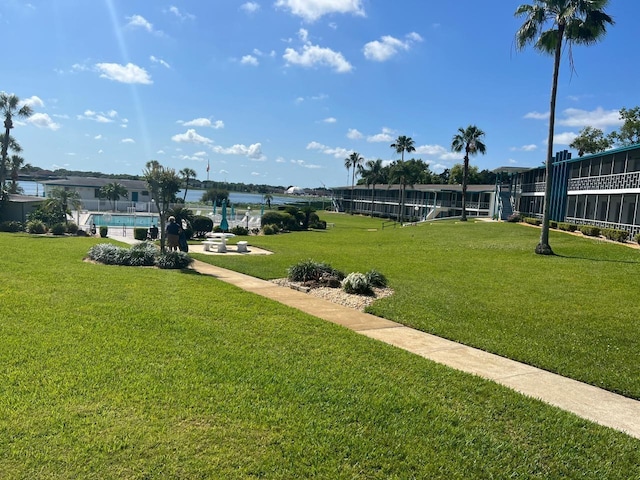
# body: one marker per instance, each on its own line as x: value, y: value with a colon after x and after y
x: 9, y: 107
x: 187, y: 174
x: 15, y: 164
x: 352, y: 162
x: 372, y: 174
x: 267, y: 197
x: 404, y: 174
x: 469, y: 139
x: 403, y: 144
x: 580, y: 22
x: 113, y: 191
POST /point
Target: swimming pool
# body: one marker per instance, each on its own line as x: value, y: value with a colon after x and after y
x: 119, y: 220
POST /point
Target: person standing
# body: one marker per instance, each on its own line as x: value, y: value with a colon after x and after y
x: 173, y: 234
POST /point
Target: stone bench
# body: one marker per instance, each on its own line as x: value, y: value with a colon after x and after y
x: 218, y: 245
x: 241, y: 247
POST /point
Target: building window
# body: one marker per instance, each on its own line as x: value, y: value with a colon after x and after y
x: 580, y: 201
x: 606, y: 165
x: 619, y: 162
x: 591, y: 207
x: 628, y: 208
x: 603, y: 206
x: 575, y: 170
x: 145, y: 193
x: 595, y: 167
x: 96, y: 193
x: 614, y: 208
x: 633, y: 165
x: 571, y: 206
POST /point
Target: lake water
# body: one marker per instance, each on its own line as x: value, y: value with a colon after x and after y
x: 194, y: 196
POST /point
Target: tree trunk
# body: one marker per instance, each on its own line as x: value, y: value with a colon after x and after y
x: 465, y: 177
x: 353, y: 181
x: 5, y: 150
x: 543, y: 248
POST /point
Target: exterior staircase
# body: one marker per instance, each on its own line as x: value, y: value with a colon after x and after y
x: 505, y: 201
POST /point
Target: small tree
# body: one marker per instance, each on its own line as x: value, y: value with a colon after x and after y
x: 187, y: 174
x: 629, y: 133
x: 63, y: 199
x: 10, y: 106
x: 591, y: 140
x: 214, y: 196
x: 163, y: 184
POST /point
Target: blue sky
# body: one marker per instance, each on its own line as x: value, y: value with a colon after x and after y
x: 282, y: 91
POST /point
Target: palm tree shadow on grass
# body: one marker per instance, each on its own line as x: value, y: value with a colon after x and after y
x: 629, y: 262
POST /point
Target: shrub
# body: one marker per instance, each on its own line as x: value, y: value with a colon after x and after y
x: 615, y: 235
x: 282, y: 220
x: 72, y: 228
x: 532, y: 221
x: 143, y: 254
x: 36, y: 226
x: 376, y: 279
x: 357, y: 283
x: 310, y: 270
x: 104, y: 230
x: 637, y: 238
x: 106, y: 253
x: 201, y: 226
x: 173, y: 260
x: 269, y: 230
x: 240, y: 230
x: 11, y: 226
x: 590, y: 230
x: 318, y: 225
x: 217, y: 229
x: 514, y: 218
x: 58, y: 229
x: 140, y: 233
x: 553, y: 224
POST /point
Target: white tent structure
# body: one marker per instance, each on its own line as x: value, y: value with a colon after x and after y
x: 294, y: 191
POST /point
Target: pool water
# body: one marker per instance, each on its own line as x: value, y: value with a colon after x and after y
x: 116, y: 220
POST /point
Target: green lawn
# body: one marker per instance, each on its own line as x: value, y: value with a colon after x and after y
x: 480, y: 283
x: 120, y: 372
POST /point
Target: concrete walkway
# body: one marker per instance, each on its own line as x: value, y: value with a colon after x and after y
x: 586, y: 401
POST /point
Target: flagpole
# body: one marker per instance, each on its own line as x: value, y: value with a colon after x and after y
x: 207, y: 170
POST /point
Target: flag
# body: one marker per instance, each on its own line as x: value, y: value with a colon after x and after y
x: 207, y: 166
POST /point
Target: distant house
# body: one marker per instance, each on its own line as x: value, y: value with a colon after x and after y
x: 138, y: 197
x: 19, y: 206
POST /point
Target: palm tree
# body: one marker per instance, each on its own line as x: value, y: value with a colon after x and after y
x: 372, y: 174
x: 65, y: 199
x: 112, y: 192
x: 163, y: 184
x: 580, y: 22
x: 468, y: 139
x: 352, y: 162
x: 187, y: 174
x: 267, y: 197
x: 9, y: 108
x: 16, y: 163
x: 403, y: 144
x: 402, y: 173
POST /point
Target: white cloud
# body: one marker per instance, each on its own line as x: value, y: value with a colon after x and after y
x: 254, y: 152
x: 98, y: 137
x: 451, y: 156
x: 100, y: 117
x: 181, y: 15
x: 314, y: 55
x: 388, y: 46
x: 525, y: 148
x: 160, y: 152
x: 127, y: 140
x: 249, y: 60
x: 42, y: 120
x: 304, y: 164
x: 250, y: 7
x: 280, y: 160
x: 160, y: 61
x: 537, y: 115
x: 128, y: 73
x: 140, y: 21
x: 191, y: 136
x: 203, y: 122
x: 436, y: 150
x: 330, y: 120
x: 564, y: 138
x: 598, y: 118
x: 337, y: 152
x: 312, y: 10
x: 385, y: 136
x: 354, y: 134
x: 33, y: 102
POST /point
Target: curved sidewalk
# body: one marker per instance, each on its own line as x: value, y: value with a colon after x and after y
x: 586, y: 401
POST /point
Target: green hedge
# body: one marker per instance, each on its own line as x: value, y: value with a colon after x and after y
x: 140, y: 233
x: 616, y: 235
x: 590, y: 230
x: 532, y: 220
x: 567, y: 227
